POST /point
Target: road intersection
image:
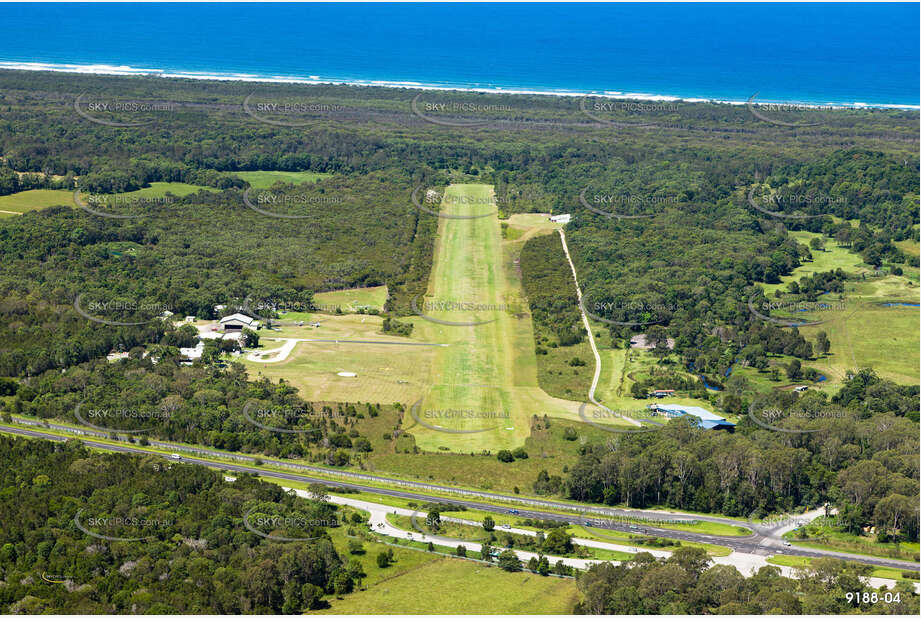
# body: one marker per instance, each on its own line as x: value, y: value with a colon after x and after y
x: 750, y: 551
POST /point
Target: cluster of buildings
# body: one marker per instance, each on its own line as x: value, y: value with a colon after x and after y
x: 228, y: 327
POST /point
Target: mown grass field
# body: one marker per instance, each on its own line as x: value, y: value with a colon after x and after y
x: 560, y: 378
x: 265, y: 179
x: 120, y: 202
x: 160, y: 189
x: 34, y: 199
x: 431, y: 584
x: 822, y: 536
x: 485, y: 381
x: 796, y: 561
x: 910, y: 246
x: 400, y: 588
x: 532, y: 223
x: 352, y: 300
x: 386, y: 373
x: 867, y: 333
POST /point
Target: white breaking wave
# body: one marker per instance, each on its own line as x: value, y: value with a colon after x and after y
x: 108, y: 69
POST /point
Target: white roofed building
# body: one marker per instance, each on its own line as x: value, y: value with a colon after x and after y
x: 237, y: 322
x: 705, y: 418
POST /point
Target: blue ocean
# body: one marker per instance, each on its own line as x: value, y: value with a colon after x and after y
x: 842, y: 54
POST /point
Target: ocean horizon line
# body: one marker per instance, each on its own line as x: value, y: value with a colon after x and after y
x: 130, y: 71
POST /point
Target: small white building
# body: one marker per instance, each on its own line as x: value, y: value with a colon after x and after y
x: 193, y: 353
x: 237, y: 322
x: 564, y: 219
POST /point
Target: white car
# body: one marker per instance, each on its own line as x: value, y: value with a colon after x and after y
x: 175, y: 456
x: 507, y: 527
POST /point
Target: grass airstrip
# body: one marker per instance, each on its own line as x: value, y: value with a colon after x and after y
x: 485, y: 381
x: 478, y: 389
x: 475, y: 391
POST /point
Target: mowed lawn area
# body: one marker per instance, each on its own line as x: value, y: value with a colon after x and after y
x: 484, y: 382
x: 265, y: 179
x: 387, y: 373
x: 884, y: 572
x: 429, y: 584
x: 618, y: 367
x: 34, y: 199
x: 351, y: 300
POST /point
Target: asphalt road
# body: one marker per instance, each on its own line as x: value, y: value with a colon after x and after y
x: 534, y: 503
x: 755, y: 543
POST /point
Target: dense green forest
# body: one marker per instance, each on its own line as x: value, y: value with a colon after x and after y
x: 195, y: 554
x: 705, y: 293
x: 688, y: 583
x: 857, y: 450
x: 204, y: 404
x: 205, y: 249
x: 547, y: 282
x: 856, y: 184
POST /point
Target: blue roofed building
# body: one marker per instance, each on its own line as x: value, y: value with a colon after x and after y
x: 705, y: 418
